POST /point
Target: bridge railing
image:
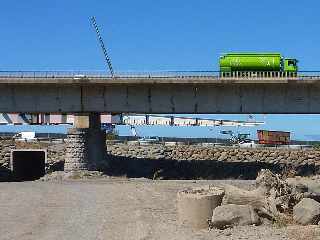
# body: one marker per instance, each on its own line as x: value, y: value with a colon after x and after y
x: 104, y: 74
x: 169, y: 74
x: 303, y: 75
x: 52, y: 74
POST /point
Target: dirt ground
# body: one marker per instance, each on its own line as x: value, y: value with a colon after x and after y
x: 121, y: 209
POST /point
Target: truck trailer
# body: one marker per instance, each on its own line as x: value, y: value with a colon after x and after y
x: 257, y: 63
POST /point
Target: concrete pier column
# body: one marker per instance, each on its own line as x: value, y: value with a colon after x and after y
x: 86, y: 148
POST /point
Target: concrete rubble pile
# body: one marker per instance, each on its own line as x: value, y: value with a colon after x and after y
x: 274, y: 200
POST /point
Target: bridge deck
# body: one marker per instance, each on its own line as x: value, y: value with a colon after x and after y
x: 39, y: 92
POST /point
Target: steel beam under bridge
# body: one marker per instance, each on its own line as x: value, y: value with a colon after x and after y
x: 159, y: 95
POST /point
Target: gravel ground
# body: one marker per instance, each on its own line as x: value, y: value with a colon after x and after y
x: 121, y: 209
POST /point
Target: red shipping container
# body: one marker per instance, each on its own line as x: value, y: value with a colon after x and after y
x: 273, y: 137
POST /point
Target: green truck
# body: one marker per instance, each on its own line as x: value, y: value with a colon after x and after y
x: 264, y: 64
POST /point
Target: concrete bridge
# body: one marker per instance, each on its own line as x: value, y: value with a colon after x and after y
x: 180, y: 94
x: 89, y: 95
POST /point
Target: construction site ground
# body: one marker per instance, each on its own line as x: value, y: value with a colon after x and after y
x: 113, y: 209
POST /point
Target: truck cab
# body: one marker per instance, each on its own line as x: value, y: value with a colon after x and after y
x: 290, y: 65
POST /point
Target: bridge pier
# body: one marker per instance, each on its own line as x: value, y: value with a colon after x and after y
x: 86, y: 148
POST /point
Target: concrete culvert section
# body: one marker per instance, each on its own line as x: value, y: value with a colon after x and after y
x: 195, y: 206
x: 28, y: 164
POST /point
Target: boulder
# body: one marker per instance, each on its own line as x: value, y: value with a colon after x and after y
x: 311, y: 187
x: 307, y: 211
x: 223, y: 156
x: 234, y: 215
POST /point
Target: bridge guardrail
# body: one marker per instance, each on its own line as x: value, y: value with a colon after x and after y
x: 103, y: 74
x: 303, y: 75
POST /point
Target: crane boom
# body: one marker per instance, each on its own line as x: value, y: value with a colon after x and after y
x: 104, y: 50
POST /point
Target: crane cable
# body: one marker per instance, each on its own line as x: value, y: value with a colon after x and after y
x: 105, y: 53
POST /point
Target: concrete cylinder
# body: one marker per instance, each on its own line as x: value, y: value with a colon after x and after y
x: 195, y: 206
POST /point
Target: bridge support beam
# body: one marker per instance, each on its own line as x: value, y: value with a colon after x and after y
x: 86, y: 148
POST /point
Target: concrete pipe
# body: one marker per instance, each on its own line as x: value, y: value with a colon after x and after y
x: 195, y: 206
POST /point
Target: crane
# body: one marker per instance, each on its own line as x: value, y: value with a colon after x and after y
x: 133, y: 130
x: 104, y: 50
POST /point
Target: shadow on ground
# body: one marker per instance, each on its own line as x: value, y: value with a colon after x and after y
x: 169, y: 169
x: 5, y: 174
x: 195, y: 169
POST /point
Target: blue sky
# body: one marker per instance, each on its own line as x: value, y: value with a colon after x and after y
x: 161, y: 35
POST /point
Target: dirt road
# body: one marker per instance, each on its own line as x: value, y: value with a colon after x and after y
x: 105, y: 209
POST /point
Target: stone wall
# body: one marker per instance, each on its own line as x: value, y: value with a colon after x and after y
x: 193, y: 152
x: 196, y: 162
x: 5, y: 152
x: 179, y: 162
